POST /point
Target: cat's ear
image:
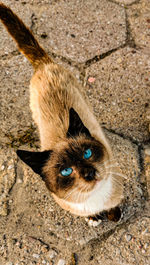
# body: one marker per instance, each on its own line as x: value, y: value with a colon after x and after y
x: 76, y: 125
x: 35, y: 160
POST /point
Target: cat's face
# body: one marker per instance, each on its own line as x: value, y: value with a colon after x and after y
x: 74, y: 167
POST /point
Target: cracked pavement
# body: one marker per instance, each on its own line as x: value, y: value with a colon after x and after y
x: 106, y: 44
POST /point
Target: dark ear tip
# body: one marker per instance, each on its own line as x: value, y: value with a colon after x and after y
x: 35, y: 160
x: 19, y: 153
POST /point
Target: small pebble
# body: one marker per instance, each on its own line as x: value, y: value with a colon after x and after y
x: 145, y: 231
x: 43, y: 261
x: 3, y: 210
x: 44, y: 249
x: 148, y: 115
x: 147, y: 151
x: 146, y: 245
x: 119, y: 60
x: 52, y: 254
x: 140, y: 190
x: 2, y: 167
x: 10, y: 167
x: 128, y: 237
x: 130, y: 100
x: 19, y: 180
x: 25, y: 60
x: 140, y: 246
x: 91, y: 79
x: 61, y: 262
x: 36, y: 256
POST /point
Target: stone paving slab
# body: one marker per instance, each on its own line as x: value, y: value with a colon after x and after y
x: 120, y: 92
x: 7, y: 177
x: 80, y: 30
x: 14, y: 93
x: 128, y: 245
x: 139, y: 19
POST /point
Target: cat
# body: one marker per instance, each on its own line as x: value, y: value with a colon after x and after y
x: 76, y: 161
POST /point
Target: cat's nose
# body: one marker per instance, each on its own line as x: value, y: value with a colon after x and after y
x: 90, y: 175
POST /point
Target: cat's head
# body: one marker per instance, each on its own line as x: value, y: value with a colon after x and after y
x: 76, y: 165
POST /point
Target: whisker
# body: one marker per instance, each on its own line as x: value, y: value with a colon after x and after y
x: 116, y: 180
x: 118, y: 174
x: 109, y: 160
x: 113, y: 165
x: 102, y: 171
x: 82, y: 192
x: 104, y: 163
x: 70, y: 193
x: 75, y: 191
x: 78, y: 196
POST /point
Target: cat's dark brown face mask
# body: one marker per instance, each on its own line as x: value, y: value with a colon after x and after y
x: 74, y: 166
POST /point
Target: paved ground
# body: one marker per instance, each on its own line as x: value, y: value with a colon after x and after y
x: 106, y: 44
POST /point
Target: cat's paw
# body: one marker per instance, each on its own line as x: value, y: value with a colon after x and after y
x: 93, y: 221
x: 112, y: 215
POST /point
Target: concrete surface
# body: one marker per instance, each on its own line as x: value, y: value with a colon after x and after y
x: 106, y: 45
x: 121, y: 86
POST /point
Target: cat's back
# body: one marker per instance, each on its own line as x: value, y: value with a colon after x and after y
x: 52, y: 89
x: 52, y: 79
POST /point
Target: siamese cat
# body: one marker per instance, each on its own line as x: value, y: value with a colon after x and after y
x: 76, y: 161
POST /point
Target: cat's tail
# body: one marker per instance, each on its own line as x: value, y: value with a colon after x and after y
x: 27, y: 44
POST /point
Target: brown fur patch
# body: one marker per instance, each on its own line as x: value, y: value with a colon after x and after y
x: 27, y: 44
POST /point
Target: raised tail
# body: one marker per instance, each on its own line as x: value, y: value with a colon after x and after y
x: 27, y: 44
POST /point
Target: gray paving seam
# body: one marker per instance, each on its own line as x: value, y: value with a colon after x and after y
x: 129, y: 38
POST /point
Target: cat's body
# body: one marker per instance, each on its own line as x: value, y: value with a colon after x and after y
x: 76, y: 160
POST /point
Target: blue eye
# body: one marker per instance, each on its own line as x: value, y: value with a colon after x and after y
x: 66, y: 171
x: 87, y: 153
